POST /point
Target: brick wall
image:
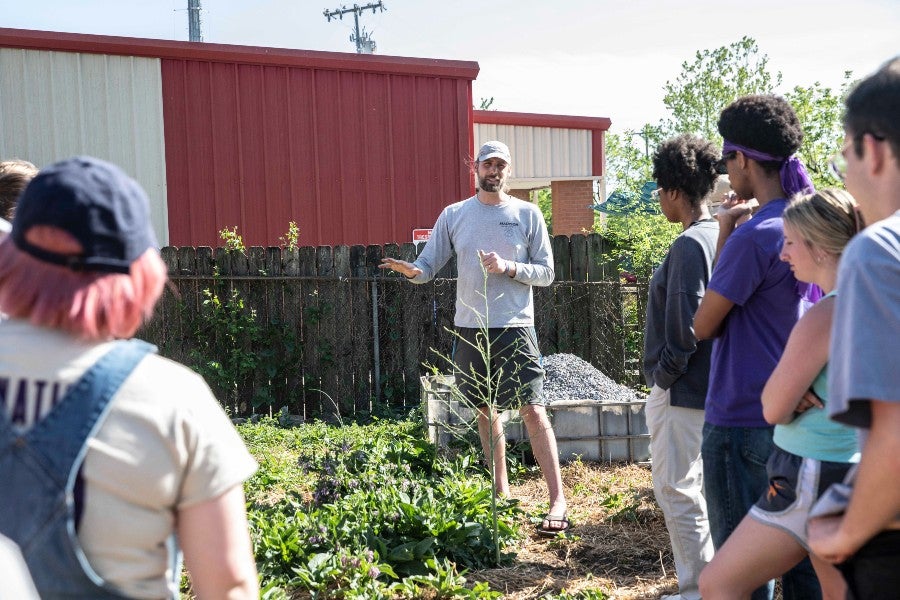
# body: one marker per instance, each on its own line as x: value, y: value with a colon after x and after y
x: 521, y: 194
x: 571, y: 201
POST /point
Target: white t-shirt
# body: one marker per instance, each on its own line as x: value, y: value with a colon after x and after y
x: 165, y: 445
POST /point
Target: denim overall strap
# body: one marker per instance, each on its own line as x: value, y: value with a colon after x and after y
x: 39, y: 468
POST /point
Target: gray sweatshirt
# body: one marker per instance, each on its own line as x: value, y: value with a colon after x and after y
x: 673, y: 359
x: 515, y: 230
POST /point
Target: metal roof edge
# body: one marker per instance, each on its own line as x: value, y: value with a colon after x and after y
x: 172, y: 49
x: 496, y: 117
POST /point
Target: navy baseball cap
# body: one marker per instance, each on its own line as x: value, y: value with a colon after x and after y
x: 94, y: 201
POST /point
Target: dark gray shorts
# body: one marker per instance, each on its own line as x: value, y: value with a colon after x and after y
x: 795, y: 483
x: 511, y: 358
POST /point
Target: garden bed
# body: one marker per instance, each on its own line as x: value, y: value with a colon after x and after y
x: 362, y: 512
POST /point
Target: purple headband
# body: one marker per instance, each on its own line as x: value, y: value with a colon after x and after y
x: 794, y: 178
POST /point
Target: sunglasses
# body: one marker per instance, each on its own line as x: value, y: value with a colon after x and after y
x: 721, y: 166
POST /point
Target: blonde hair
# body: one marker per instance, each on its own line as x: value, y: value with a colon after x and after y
x: 825, y: 219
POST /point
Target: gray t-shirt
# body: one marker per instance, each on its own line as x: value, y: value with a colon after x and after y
x: 515, y: 230
x: 866, y: 326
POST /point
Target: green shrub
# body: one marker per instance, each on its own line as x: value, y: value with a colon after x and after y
x: 368, y: 512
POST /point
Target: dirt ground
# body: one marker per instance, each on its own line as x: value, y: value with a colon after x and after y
x: 618, y: 543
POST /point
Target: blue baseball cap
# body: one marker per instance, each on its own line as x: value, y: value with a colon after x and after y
x: 94, y: 201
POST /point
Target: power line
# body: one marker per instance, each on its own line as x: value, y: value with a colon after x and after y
x: 363, y: 39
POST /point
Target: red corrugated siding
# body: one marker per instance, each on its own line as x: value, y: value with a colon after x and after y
x: 354, y: 157
x: 358, y: 149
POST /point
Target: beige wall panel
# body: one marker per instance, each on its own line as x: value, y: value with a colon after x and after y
x: 541, y: 152
x: 58, y: 104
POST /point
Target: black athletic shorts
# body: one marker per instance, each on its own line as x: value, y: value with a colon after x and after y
x: 502, y: 368
x: 873, y: 573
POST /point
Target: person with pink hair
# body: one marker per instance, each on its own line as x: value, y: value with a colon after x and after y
x: 114, y: 460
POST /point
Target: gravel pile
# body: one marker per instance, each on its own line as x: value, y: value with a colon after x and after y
x: 571, y: 378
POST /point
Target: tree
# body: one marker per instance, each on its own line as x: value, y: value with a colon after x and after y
x: 712, y: 81
x: 545, y: 203
x: 627, y: 167
x: 820, y: 110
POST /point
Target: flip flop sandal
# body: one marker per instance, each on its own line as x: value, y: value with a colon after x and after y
x: 551, y: 532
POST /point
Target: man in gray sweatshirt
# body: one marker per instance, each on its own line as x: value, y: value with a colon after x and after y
x: 502, y: 250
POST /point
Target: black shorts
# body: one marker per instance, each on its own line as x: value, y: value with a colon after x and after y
x: 873, y: 573
x: 502, y: 368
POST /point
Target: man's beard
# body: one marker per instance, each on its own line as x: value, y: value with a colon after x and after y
x: 491, y: 185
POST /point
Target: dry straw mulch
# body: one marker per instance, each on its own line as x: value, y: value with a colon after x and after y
x: 618, y: 544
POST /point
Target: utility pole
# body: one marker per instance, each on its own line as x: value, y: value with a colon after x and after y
x: 363, y: 39
x: 648, y: 132
x: 194, y: 33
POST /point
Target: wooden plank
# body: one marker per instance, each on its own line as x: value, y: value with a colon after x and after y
x: 578, y: 251
x: 293, y: 295
x: 562, y: 263
x: 374, y: 255
x: 343, y: 340
x: 360, y: 368
x: 608, y: 335
x: 329, y: 402
x: 563, y: 315
x: 417, y: 332
x: 595, y: 257
x: 390, y: 333
x: 309, y: 301
x: 545, y: 319
x: 260, y: 394
x: 579, y: 308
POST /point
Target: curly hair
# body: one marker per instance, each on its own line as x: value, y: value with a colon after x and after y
x: 686, y: 163
x: 762, y: 122
x: 14, y: 177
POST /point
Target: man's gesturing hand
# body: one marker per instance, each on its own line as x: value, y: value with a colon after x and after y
x: 401, y: 266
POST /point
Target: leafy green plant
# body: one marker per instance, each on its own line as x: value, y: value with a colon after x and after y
x: 291, y: 239
x: 233, y: 240
x: 365, y: 506
x: 224, y: 334
x: 361, y: 542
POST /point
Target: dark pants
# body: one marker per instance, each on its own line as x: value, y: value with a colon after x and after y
x: 873, y: 573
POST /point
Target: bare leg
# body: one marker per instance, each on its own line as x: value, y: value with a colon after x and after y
x: 543, y: 444
x: 834, y: 587
x: 490, y: 430
x: 752, y: 555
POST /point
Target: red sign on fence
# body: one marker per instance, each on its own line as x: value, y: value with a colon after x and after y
x: 421, y: 235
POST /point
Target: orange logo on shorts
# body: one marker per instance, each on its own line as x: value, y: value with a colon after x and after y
x: 774, y: 486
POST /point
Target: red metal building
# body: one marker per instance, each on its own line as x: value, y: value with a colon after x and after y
x: 357, y: 149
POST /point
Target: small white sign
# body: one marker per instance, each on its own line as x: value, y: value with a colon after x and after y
x: 421, y: 235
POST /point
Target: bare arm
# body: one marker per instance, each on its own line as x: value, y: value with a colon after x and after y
x: 407, y: 269
x: 805, y: 354
x: 215, y: 538
x: 732, y: 212
x: 875, y: 501
x: 711, y: 314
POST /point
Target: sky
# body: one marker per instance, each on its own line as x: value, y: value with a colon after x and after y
x: 596, y: 58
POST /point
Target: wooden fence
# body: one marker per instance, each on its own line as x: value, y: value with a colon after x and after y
x: 322, y: 330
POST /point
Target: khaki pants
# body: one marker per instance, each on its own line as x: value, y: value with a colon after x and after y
x: 675, y: 438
